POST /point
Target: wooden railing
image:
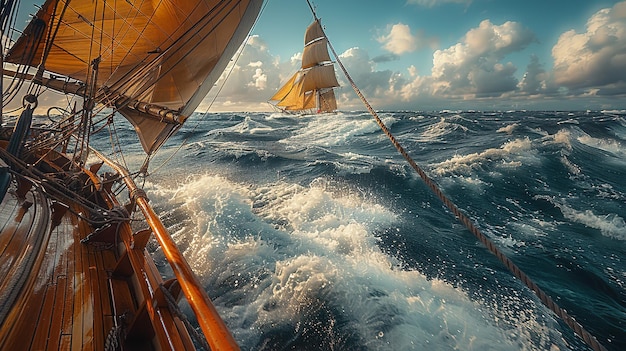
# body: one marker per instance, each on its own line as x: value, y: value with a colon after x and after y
x: 215, y: 330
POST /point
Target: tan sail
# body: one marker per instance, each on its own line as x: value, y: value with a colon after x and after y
x: 162, y: 57
x: 311, y: 87
x: 327, y: 101
x: 313, y: 31
x: 295, y: 100
x: 315, y: 53
x: 319, y: 77
x: 285, y: 89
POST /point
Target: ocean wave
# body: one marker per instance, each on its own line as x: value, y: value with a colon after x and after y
x: 437, y: 131
x: 329, y: 131
x: 321, y: 234
x: 508, y: 129
x: 465, y: 164
x: 562, y: 138
x: 231, y: 149
x: 610, y: 225
x: 247, y: 126
x: 289, y: 255
x: 614, y: 147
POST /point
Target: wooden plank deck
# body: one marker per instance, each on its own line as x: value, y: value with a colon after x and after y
x: 58, y: 293
x: 68, y: 288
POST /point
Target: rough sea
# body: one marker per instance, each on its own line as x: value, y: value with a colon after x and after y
x: 313, y: 232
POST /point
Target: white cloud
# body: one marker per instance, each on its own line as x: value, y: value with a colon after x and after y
x: 259, y: 80
x: 377, y: 86
x: 473, y: 66
x: 535, y: 80
x: 399, y: 40
x: 433, y: 3
x: 251, y: 79
x: 490, y: 39
x: 476, y: 69
x: 596, y: 59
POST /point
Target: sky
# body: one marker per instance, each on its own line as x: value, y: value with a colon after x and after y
x: 444, y: 54
x: 431, y: 55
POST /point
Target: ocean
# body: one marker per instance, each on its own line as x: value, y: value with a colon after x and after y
x: 313, y: 232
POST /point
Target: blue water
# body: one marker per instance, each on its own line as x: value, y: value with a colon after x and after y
x: 313, y: 233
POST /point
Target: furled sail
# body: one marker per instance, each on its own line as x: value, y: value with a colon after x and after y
x: 311, y: 87
x: 154, y: 61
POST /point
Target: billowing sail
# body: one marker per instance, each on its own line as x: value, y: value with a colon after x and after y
x: 313, y: 31
x: 314, y: 53
x: 152, y: 60
x: 327, y: 101
x: 311, y: 87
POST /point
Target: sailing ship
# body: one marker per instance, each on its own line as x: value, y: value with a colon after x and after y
x: 74, y: 273
x: 311, y: 88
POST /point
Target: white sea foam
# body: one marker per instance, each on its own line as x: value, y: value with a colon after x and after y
x: 335, y: 130
x: 614, y: 147
x: 572, y: 167
x: 435, y: 132
x: 235, y: 149
x: 353, y: 163
x: 561, y: 138
x: 465, y: 164
x: 281, y: 253
x: 248, y: 126
x: 610, y: 225
x: 508, y: 129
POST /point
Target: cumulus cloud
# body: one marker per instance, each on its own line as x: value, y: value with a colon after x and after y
x: 259, y: 79
x: 375, y: 84
x: 250, y: 79
x: 536, y: 79
x: 257, y: 74
x: 594, y: 61
x: 399, y: 40
x: 473, y: 66
x: 591, y: 64
x: 433, y: 3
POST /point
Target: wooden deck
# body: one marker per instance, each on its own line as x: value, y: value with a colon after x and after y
x: 58, y: 301
x: 59, y: 293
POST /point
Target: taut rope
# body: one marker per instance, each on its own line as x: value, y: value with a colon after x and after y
x: 545, y: 299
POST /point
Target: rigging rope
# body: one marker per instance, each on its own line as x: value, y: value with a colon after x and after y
x: 172, y: 304
x: 588, y: 338
x: 56, y: 189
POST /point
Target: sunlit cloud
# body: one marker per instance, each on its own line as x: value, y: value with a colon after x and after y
x: 399, y: 40
x: 477, y: 68
x: 473, y: 66
x: 433, y: 3
x: 536, y: 80
x: 248, y: 82
x: 595, y: 60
